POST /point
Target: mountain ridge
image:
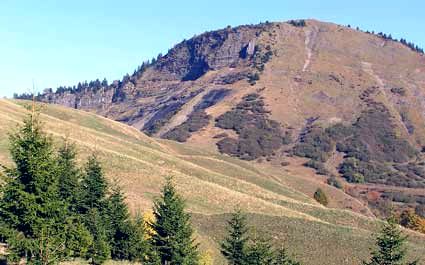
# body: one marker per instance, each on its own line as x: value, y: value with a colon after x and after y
x: 350, y: 102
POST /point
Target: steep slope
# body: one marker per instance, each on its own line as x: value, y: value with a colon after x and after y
x: 351, y: 101
x: 212, y: 185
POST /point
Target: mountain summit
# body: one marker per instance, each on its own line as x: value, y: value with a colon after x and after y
x: 350, y: 103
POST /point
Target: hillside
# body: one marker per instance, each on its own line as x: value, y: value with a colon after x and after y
x: 349, y: 103
x: 212, y: 185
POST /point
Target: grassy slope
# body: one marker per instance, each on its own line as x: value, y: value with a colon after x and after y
x: 212, y: 185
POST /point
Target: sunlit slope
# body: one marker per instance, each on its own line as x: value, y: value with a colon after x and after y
x: 211, y: 184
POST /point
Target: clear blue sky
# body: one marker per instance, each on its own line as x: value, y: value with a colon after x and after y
x: 62, y: 42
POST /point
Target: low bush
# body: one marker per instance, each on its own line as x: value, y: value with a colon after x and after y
x: 319, y: 166
x: 257, y: 135
x: 333, y: 181
x: 321, y: 197
x: 195, y: 121
x: 371, y: 146
x: 315, y: 144
x: 399, y: 91
x: 297, y: 23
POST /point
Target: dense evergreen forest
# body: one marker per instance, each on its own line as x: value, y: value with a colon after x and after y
x: 53, y: 211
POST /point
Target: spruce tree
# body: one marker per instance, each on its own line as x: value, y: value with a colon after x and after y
x: 234, y: 246
x: 138, y: 246
x: 93, y: 208
x: 93, y: 188
x: 260, y: 252
x: 33, y: 215
x: 282, y: 258
x: 100, y: 250
x: 120, y: 227
x: 68, y: 174
x: 390, y: 243
x: 173, y: 234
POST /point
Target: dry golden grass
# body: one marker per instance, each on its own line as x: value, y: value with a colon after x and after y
x: 212, y: 184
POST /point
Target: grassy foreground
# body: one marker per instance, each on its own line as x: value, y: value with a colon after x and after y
x: 212, y: 185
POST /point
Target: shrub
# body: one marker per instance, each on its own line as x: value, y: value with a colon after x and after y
x: 420, y: 210
x: 253, y: 78
x: 370, y: 145
x: 195, y: 121
x: 315, y: 144
x: 297, y: 23
x: 321, y: 197
x: 375, y: 129
x: 287, y: 138
x: 220, y: 135
x: 257, y: 135
x: 398, y: 90
x: 319, y: 166
x: 285, y: 163
x: 333, y: 181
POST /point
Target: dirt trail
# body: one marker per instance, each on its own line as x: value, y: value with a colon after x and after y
x: 310, y: 42
x: 367, y: 67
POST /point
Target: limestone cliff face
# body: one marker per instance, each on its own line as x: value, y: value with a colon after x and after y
x: 87, y: 99
x: 214, y: 50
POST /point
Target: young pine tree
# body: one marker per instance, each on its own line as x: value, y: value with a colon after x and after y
x: 234, y: 246
x: 31, y: 210
x: 390, y: 243
x: 173, y: 234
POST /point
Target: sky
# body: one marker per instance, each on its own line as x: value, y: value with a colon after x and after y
x: 53, y: 43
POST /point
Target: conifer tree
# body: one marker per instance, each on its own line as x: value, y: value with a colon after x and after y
x: 68, y: 174
x: 282, y: 258
x: 234, y: 246
x: 120, y: 227
x: 173, y: 234
x: 78, y: 238
x: 100, y: 250
x: 390, y: 243
x: 93, y: 206
x: 138, y: 246
x: 30, y: 207
x: 93, y: 188
x: 260, y: 252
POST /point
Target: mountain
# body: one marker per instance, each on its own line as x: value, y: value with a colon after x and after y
x: 293, y: 95
x: 212, y: 185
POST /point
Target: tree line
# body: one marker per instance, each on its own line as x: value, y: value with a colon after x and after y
x: 409, y: 44
x: 95, y: 85
x: 52, y: 211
